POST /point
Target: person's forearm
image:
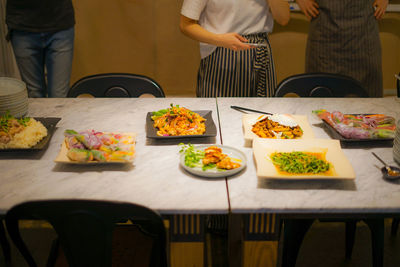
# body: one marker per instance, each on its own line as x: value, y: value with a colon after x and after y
x: 193, y: 30
x: 230, y: 40
x: 280, y: 11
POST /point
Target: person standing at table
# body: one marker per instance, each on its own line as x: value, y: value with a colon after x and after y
x: 344, y: 39
x: 230, y: 65
x: 42, y: 37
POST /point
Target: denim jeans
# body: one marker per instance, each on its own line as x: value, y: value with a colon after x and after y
x: 35, y: 52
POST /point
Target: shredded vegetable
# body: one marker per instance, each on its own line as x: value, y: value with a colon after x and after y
x: 299, y: 162
x: 193, y: 156
x: 209, y: 158
x: 176, y: 121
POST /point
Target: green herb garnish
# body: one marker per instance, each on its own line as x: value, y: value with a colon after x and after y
x: 158, y: 113
x: 193, y: 156
x: 161, y: 112
x: 23, y: 121
x: 6, y: 118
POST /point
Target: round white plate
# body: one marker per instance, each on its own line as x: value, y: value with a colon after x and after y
x: 235, y: 154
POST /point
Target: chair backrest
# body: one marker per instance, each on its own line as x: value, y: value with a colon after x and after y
x: 116, y: 85
x: 85, y: 228
x: 320, y: 85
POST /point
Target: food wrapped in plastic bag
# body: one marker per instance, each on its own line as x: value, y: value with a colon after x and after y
x: 99, y: 146
x: 350, y: 126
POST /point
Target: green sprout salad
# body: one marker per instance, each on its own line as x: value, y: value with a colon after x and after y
x: 194, y: 158
x: 299, y: 163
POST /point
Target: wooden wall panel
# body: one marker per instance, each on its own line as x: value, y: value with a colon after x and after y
x: 177, y: 56
x: 260, y: 253
x: 390, y: 39
x: 143, y: 37
x: 114, y: 36
x: 289, y: 45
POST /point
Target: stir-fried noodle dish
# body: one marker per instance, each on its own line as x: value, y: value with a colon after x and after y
x: 277, y: 126
x: 176, y: 121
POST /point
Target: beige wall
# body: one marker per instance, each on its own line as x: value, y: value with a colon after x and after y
x: 143, y: 37
x: 135, y: 36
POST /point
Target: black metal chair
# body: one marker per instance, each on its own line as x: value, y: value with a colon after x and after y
x: 325, y: 85
x: 5, y: 246
x: 296, y: 229
x: 116, y: 85
x: 320, y: 85
x: 85, y: 229
x: 395, y: 226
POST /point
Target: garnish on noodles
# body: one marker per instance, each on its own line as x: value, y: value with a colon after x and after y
x: 176, y: 121
x: 277, y: 126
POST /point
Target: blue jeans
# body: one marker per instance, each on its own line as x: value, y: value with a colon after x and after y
x: 51, y: 50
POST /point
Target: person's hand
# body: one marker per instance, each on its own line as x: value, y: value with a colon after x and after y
x: 380, y: 8
x: 309, y: 8
x: 233, y: 41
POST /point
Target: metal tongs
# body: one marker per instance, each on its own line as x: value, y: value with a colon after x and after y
x: 252, y: 110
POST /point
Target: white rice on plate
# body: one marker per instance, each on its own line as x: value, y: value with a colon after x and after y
x: 30, y: 136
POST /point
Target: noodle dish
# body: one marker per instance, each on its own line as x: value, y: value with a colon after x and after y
x: 276, y: 126
x: 178, y: 121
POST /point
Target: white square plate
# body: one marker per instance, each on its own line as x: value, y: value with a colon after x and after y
x: 263, y: 148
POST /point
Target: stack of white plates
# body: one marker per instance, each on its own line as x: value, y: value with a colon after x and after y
x: 396, y: 144
x: 13, y: 97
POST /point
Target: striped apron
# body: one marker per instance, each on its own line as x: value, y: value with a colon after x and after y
x: 344, y: 39
x: 246, y: 73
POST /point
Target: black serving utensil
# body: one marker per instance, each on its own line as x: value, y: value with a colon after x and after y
x: 252, y: 110
x: 389, y: 172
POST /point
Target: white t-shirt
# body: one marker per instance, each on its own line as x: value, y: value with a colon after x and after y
x: 223, y: 16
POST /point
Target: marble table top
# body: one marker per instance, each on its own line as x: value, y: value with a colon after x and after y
x: 368, y: 193
x: 154, y: 180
